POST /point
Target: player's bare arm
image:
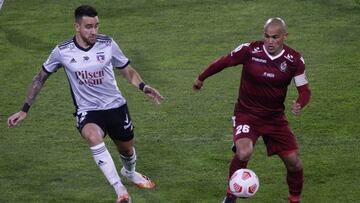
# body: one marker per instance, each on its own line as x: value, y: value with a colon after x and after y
x: 133, y: 77
x: 33, y: 91
x: 36, y: 86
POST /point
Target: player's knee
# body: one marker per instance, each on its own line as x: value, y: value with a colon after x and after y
x: 244, y: 153
x: 244, y: 149
x: 92, y: 138
x: 294, y: 165
x: 92, y: 133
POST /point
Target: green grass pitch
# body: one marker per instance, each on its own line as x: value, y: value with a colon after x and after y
x: 183, y: 144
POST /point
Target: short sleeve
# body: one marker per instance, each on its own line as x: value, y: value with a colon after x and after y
x: 118, y: 59
x: 53, y: 63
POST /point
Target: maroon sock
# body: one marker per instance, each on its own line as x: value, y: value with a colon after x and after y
x: 295, y: 182
x: 235, y: 165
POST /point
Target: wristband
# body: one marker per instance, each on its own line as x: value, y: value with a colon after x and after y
x: 141, y: 86
x: 25, y: 107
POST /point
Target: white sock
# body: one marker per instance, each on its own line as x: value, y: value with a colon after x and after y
x: 119, y: 188
x: 129, y: 162
x: 105, y: 162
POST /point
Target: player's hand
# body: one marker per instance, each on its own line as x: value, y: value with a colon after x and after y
x: 16, y: 118
x: 153, y: 94
x: 295, y: 108
x: 197, y: 84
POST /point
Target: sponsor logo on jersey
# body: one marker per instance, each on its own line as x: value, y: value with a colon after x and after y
x: 258, y: 60
x: 90, y: 78
x: 73, y: 60
x: 268, y: 75
x: 256, y: 50
x: 289, y: 57
x: 86, y: 58
x: 283, y: 66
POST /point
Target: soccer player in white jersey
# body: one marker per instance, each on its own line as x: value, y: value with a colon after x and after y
x: 88, y: 60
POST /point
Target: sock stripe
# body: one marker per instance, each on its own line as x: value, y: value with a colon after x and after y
x: 98, y: 151
x: 129, y: 162
x: 128, y: 158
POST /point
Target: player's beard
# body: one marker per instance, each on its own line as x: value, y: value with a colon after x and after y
x: 91, y: 40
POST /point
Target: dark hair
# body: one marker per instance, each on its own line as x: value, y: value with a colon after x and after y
x: 84, y: 10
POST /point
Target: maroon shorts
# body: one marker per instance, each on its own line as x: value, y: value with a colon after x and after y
x: 275, y: 132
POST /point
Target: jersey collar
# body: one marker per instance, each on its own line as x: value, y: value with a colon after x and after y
x: 81, y: 48
x: 271, y: 56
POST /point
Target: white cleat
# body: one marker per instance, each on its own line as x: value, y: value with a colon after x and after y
x: 138, y: 179
x: 123, y: 198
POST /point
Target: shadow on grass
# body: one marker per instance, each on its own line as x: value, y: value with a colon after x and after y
x: 21, y: 40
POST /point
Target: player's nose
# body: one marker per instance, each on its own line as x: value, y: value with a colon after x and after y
x: 93, y: 31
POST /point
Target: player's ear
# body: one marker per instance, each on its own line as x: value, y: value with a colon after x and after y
x: 77, y: 26
x: 286, y: 35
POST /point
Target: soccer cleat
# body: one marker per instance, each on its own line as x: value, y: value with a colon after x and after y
x: 229, y: 199
x: 294, y: 199
x: 138, y: 179
x: 124, y: 198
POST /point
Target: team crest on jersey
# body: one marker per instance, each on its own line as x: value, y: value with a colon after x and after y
x: 100, y: 57
x: 283, y: 66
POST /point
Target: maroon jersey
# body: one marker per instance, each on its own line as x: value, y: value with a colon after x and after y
x: 264, y: 78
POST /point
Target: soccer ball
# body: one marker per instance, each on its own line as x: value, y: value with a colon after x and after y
x: 244, y: 183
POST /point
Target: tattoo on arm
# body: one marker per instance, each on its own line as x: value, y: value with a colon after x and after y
x: 36, y: 86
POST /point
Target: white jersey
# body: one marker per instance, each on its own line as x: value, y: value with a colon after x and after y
x: 90, y: 72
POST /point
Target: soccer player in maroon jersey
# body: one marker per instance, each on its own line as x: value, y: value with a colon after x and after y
x: 268, y: 68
